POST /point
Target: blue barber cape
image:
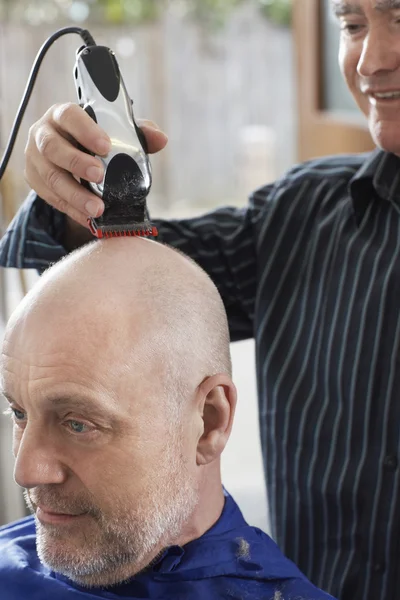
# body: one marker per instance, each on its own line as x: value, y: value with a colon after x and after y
x: 209, y: 568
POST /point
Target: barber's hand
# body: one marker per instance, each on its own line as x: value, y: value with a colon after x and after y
x: 53, y: 161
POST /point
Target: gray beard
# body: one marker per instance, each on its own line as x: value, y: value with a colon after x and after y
x: 119, y: 550
x: 112, y: 550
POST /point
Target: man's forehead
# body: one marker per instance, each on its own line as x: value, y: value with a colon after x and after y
x: 65, y: 380
x: 2, y: 381
x: 6, y: 382
x: 6, y: 368
x: 347, y: 7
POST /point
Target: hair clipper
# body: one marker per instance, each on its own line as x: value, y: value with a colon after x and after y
x: 127, y: 170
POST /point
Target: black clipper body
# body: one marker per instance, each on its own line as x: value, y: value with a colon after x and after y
x: 127, y: 170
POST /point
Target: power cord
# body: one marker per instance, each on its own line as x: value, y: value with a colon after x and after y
x: 89, y: 41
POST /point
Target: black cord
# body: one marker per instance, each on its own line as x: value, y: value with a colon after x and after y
x: 89, y: 41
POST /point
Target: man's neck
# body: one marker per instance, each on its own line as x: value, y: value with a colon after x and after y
x: 209, y: 508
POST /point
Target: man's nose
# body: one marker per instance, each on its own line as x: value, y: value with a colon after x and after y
x: 379, y: 54
x: 36, y: 461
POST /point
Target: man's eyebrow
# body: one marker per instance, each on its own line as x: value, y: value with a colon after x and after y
x: 76, y: 401
x: 6, y: 396
x: 70, y: 401
x: 387, y: 5
x: 343, y: 8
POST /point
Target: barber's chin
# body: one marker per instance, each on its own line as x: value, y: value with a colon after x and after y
x: 386, y: 135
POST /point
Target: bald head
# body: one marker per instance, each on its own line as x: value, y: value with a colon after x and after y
x: 135, y: 296
x: 117, y: 369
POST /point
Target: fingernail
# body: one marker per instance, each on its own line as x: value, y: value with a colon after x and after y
x: 147, y: 123
x: 92, y: 208
x: 103, y: 146
x: 94, y: 174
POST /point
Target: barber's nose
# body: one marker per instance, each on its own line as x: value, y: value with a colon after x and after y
x: 379, y: 54
x: 36, y: 461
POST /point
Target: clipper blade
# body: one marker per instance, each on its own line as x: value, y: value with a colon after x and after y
x: 127, y: 230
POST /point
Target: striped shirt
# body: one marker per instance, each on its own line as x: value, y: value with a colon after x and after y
x: 311, y: 269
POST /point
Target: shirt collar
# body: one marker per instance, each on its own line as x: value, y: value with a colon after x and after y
x: 231, y: 518
x: 379, y: 176
x: 230, y: 547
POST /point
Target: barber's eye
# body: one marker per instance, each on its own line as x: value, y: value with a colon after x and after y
x: 350, y: 28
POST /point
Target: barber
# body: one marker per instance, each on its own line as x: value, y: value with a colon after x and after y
x: 311, y: 269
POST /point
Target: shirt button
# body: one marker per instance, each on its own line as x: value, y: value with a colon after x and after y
x: 391, y: 462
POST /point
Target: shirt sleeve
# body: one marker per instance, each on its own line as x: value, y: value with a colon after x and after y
x: 32, y: 238
x: 223, y: 242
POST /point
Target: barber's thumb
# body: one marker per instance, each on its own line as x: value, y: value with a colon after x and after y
x: 156, y: 139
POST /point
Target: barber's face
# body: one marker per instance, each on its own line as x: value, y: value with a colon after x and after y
x: 110, y: 479
x: 370, y: 61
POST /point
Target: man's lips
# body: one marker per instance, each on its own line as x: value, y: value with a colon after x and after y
x: 382, y: 95
x: 46, y: 515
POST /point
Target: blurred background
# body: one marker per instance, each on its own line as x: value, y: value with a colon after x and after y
x: 244, y: 89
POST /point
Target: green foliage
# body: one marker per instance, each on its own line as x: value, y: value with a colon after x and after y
x: 123, y: 11
x: 212, y: 13
x: 279, y: 11
x: 209, y: 13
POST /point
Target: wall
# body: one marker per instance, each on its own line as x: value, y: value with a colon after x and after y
x: 225, y: 99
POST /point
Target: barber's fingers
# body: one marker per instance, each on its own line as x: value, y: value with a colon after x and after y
x: 64, y: 154
x: 156, y: 139
x: 70, y: 120
x: 63, y: 192
x: 52, y: 160
x: 56, y: 134
x: 50, y: 146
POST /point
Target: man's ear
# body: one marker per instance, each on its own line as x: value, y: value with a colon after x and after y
x: 216, y: 399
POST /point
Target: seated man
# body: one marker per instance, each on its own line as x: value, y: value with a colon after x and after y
x: 121, y: 396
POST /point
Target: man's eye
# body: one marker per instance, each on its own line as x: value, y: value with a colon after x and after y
x: 78, y: 426
x: 350, y: 28
x: 19, y: 415
x: 16, y: 415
